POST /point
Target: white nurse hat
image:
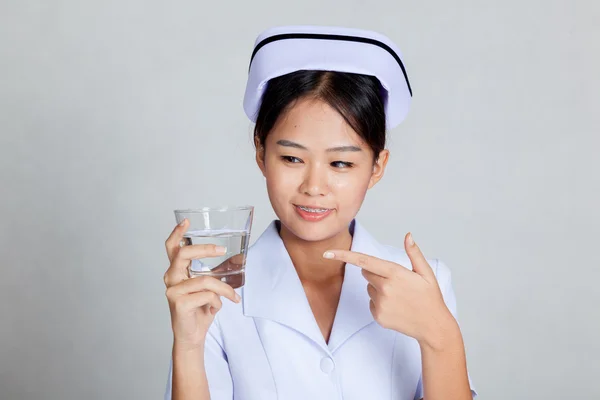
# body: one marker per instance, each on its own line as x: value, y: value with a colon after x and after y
x: 282, y: 50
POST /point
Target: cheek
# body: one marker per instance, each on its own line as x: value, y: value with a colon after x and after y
x: 280, y: 178
x: 350, y: 190
x: 356, y: 182
x: 281, y: 183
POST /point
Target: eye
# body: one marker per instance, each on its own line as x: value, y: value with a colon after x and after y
x: 342, y: 164
x: 291, y: 159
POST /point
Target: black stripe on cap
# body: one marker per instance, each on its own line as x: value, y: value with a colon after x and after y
x: 322, y: 36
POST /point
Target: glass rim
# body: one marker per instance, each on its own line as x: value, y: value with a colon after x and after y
x: 214, y: 209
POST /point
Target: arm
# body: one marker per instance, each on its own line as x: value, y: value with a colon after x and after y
x: 191, y: 371
x: 444, y: 364
x: 198, y: 353
x: 444, y: 373
x: 419, y: 303
x: 189, y: 375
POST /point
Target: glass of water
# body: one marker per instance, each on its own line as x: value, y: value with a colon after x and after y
x: 222, y: 226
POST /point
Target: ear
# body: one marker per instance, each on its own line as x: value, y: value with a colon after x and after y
x: 260, y: 155
x: 379, y: 167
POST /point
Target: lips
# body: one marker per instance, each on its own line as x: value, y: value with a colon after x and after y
x: 314, y: 209
x: 313, y: 213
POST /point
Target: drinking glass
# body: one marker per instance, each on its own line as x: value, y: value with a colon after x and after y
x: 223, y: 226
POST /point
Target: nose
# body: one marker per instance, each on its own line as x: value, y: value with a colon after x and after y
x: 315, y: 181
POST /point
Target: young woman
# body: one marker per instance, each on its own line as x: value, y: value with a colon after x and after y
x: 326, y: 312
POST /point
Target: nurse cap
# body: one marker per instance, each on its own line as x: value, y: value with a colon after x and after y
x: 282, y: 50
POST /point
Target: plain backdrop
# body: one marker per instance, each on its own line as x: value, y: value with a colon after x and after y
x: 114, y: 113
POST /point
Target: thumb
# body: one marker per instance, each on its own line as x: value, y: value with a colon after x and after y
x: 419, y: 263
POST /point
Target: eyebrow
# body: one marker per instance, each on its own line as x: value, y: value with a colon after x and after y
x: 289, y: 143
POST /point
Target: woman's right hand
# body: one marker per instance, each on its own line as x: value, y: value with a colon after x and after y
x: 193, y: 302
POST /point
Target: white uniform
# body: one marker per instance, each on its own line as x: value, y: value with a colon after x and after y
x: 269, y: 346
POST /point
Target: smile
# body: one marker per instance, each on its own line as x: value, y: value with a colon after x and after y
x: 314, y: 210
x: 313, y: 214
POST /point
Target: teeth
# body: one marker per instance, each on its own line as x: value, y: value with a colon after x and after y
x: 313, y: 210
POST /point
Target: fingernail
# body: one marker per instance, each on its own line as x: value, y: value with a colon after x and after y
x: 328, y: 254
x: 182, y: 223
x: 238, y: 297
x: 221, y: 249
x: 411, y: 241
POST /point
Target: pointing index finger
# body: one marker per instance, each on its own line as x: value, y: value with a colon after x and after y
x: 417, y: 259
x: 364, y: 261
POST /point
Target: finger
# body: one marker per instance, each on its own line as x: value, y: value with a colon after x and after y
x: 199, y: 299
x: 364, y: 261
x: 232, y: 263
x: 372, y: 292
x: 172, y: 242
x: 196, y: 251
x: 372, y: 307
x: 376, y: 280
x: 206, y: 283
x: 178, y: 269
x: 238, y: 259
x: 417, y: 259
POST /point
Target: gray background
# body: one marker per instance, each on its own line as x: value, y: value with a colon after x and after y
x: 113, y: 113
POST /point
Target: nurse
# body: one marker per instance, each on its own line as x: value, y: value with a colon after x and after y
x: 327, y: 312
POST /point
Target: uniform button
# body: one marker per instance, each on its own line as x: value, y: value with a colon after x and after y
x: 327, y: 365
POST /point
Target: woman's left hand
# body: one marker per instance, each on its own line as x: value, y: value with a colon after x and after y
x: 406, y: 301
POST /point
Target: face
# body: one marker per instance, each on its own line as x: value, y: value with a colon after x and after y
x: 317, y: 170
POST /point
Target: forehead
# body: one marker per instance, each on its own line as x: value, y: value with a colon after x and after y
x: 315, y: 124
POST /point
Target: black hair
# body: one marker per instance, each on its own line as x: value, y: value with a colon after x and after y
x: 360, y: 99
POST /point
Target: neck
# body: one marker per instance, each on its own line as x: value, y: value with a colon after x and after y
x: 308, y: 260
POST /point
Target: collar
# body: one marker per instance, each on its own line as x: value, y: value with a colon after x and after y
x: 273, y: 289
